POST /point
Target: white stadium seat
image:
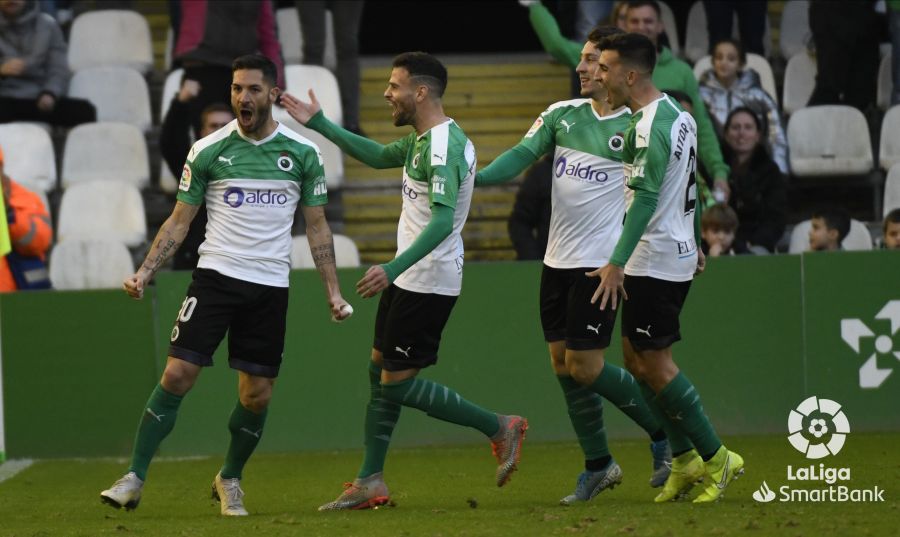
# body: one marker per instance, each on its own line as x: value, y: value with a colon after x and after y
x: 90, y: 264
x: 110, y: 37
x: 290, y: 36
x: 671, y: 28
x: 885, y: 84
x: 892, y: 190
x: 755, y: 62
x: 858, y: 238
x: 103, y: 209
x: 889, y: 145
x: 829, y: 140
x: 299, y: 79
x: 345, y: 252
x: 118, y: 93
x: 799, y: 82
x: 105, y: 151
x: 795, y: 32
x: 170, y: 89
x: 28, y: 155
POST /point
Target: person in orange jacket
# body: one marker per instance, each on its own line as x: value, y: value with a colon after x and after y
x: 30, y: 233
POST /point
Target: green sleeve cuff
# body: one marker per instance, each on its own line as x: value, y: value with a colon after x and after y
x: 506, y: 167
x: 636, y: 221
x: 361, y: 148
x: 439, y: 228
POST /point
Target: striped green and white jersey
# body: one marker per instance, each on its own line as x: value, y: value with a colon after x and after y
x: 252, y: 188
x: 588, y: 188
x: 660, y: 156
x: 438, y: 167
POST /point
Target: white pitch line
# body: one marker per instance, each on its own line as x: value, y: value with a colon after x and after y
x: 9, y: 469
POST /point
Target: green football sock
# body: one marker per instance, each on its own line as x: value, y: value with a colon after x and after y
x: 156, y: 423
x: 678, y: 441
x: 246, y: 430
x: 681, y: 402
x: 619, y: 387
x: 586, y: 414
x: 442, y: 403
x: 381, y: 417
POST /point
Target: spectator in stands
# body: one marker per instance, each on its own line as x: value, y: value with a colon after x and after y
x: 894, y: 21
x: 717, y: 229
x: 211, y: 35
x: 758, y: 189
x: 829, y: 228
x: 174, y: 143
x: 30, y: 234
x: 619, y: 16
x: 891, y: 230
x: 529, y: 223
x: 34, y: 71
x: 846, y: 39
x: 751, y: 15
x: 645, y: 17
x: 729, y: 85
x: 345, y: 17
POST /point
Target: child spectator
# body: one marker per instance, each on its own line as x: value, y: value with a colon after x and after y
x: 829, y: 228
x: 718, y: 228
x: 891, y: 230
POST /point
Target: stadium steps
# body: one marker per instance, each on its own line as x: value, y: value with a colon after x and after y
x: 494, y: 103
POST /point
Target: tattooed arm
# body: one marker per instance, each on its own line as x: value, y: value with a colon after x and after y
x: 167, y: 241
x: 321, y: 246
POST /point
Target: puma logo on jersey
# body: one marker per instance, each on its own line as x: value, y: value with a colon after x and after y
x: 155, y: 416
x: 228, y: 160
x: 596, y: 329
x: 567, y: 125
x: 402, y: 351
x: 644, y: 331
x: 251, y: 433
x: 435, y: 155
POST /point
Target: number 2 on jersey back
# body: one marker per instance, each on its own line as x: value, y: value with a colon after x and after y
x: 690, y: 193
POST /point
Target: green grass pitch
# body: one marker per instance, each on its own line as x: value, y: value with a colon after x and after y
x: 449, y: 491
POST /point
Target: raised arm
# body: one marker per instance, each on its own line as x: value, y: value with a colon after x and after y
x: 547, y: 29
x: 166, y: 243
x: 361, y: 148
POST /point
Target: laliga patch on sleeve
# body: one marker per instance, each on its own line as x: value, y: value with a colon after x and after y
x: 534, y: 128
x: 185, y: 183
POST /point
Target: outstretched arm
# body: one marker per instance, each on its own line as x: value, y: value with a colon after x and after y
x: 166, y: 243
x: 361, y: 148
x: 557, y: 45
x: 506, y: 167
x: 321, y: 246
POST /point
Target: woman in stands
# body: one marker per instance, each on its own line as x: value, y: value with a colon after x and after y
x: 729, y: 84
x: 758, y: 190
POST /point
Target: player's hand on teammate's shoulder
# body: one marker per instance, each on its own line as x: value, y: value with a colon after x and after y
x: 301, y: 111
x: 374, y: 281
x: 612, y: 285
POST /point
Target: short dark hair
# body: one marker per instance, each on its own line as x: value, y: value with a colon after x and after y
x: 892, y: 217
x: 602, y: 30
x: 258, y: 62
x: 742, y: 55
x: 634, y: 49
x: 835, y: 218
x: 425, y: 67
x: 644, y: 3
x: 215, y: 107
x: 679, y: 96
x: 719, y: 216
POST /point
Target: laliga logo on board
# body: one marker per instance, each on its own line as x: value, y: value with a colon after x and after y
x: 818, y: 428
x: 852, y: 330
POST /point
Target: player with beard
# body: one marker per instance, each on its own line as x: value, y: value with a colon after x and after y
x: 588, y: 200
x: 252, y: 173
x: 655, y: 260
x: 421, y: 284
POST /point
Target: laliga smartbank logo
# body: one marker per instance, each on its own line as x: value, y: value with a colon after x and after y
x: 818, y: 428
